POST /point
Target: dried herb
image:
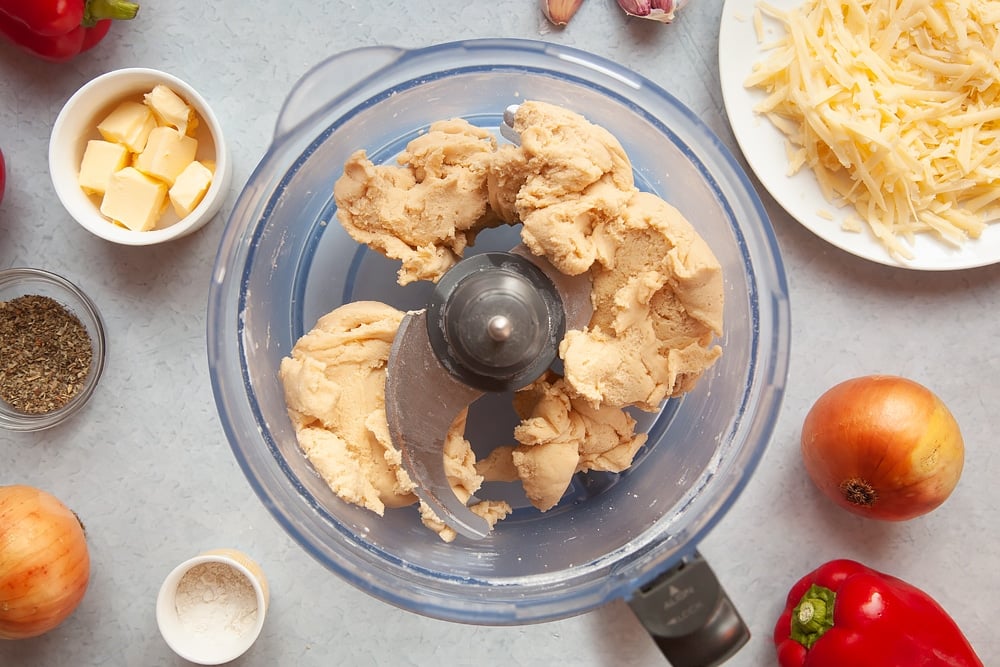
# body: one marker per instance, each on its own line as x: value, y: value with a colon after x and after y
x: 45, y: 354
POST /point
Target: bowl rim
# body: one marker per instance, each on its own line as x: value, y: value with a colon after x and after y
x: 91, y: 318
x: 64, y: 175
x: 764, y: 393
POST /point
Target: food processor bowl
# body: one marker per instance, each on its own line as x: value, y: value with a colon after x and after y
x: 284, y: 261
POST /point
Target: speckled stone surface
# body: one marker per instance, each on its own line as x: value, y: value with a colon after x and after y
x: 148, y: 467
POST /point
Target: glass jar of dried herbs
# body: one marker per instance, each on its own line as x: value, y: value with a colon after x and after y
x: 45, y: 354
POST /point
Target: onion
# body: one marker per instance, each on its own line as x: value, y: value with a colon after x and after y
x: 884, y: 447
x: 44, y: 562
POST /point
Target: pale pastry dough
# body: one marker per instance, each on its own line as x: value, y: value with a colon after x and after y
x: 334, y: 383
x: 561, y: 436
x: 657, y: 294
x: 426, y: 210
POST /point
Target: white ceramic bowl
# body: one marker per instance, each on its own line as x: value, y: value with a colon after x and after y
x: 77, y: 123
x: 211, y: 636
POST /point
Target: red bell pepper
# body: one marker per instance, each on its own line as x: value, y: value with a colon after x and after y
x: 844, y: 613
x: 58, y: 30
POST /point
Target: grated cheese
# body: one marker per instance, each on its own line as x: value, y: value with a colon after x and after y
x: 758, y: 24
x: 895, y: 106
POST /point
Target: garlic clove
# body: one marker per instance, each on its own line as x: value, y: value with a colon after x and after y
x: 560, y: 11
x: 656, y: 10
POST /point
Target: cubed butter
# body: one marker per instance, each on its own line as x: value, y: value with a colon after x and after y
x: 129, y: 124
x: 100, y: 160
x: 134, y: 199
x: 189, y: 188
x: 169, y: 108
x: 167, y: 153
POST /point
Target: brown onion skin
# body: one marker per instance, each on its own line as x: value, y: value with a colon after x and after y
x: 44, y: 562
x: 889, y: 432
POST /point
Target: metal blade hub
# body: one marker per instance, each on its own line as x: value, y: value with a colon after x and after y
x: 495, y: 321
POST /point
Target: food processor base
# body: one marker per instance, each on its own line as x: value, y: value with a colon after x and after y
x: 689, y: 615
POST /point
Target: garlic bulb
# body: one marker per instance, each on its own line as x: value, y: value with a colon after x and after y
x: 656, y: 10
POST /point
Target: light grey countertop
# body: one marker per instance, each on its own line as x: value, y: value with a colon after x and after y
x: 147, y: 465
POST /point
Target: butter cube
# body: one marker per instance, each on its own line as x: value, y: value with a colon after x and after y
x: 167, y: 153
x: 100, y: 160
x: 190, y: 188
x: 129, y: 124
x: 169, y: 108
x: 134, y: 199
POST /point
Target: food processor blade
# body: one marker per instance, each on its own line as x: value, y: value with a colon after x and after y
x: 507, y: 130
x: 494, y: 323
x: 422, y: 400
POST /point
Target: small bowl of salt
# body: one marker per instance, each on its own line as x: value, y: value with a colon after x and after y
x: 211, y: 608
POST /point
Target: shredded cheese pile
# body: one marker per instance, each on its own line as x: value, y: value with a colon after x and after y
x: 895, y: 105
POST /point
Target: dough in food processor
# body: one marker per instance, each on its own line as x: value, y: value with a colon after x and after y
x: 657, y: 296
x: 560, y: 435
x: 564, y: 183
x: 657, y: 286
x: 334, y: 382
x: 425, y: 211
x: 334, y: 388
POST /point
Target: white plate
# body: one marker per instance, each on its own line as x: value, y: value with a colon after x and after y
x: 763, y: 147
